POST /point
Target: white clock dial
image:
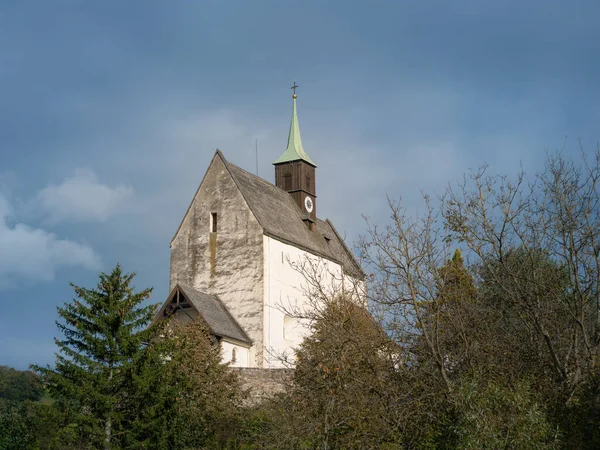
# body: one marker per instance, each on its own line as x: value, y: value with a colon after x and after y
x: 308, y: 204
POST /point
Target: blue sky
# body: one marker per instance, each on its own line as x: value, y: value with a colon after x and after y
x: 110, y: 112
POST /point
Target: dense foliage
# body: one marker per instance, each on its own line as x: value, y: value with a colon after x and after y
x: 495, y: 345
x: 104, y: 331
x: 121, y: 381
x: 17, y: 385
x: 185, y: 397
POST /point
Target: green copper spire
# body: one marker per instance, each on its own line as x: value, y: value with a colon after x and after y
x: 294, y: 150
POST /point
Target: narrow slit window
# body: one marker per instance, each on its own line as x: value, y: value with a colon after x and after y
x: 233, y: 356
x: 213, y: 222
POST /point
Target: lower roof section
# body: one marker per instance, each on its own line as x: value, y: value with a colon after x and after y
x: 190, y: 303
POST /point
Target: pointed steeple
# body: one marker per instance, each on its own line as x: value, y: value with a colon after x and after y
x: 294, y: 150
x: 295, y: 172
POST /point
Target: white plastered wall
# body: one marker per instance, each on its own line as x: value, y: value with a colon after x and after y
x: 242, y: 354
x: 285, y: 291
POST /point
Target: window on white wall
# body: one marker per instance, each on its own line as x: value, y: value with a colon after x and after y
x: 289, y: 323
x: 233, y: 356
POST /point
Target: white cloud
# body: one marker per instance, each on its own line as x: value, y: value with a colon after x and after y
x: 82, y: 198
x: 33, y: 254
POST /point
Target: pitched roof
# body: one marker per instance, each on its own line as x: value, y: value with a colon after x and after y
x: 211, y: 309
x: 338, y: 247
x: 281, y: 218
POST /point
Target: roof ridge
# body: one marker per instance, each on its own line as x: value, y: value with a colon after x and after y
x: 229, y: 163
x: 241, y: 191
x: 262, y: 180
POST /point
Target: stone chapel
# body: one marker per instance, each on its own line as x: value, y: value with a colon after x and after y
x: 234, y: 256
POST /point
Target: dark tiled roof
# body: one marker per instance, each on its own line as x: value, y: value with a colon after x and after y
x: 279, y: 216
x: 338, y: 248
x: 213, y: 311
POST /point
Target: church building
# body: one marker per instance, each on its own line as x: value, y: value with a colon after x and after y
x: 236, y: 255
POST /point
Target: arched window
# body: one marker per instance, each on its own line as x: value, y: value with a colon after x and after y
x: 233, y: 356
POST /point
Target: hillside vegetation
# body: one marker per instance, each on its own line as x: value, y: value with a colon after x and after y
x: 483, y: 332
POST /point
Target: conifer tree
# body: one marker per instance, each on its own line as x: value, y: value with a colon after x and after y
x: 104, y: 333
x: 185, y: 397
x: 456, y: 282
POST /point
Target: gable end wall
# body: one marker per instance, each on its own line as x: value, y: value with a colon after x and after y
x: 228, y: 263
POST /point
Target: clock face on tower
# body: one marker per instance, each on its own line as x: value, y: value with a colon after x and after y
x: 308, y: 204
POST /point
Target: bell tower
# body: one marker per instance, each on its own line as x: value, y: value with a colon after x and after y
x: 295, y: 171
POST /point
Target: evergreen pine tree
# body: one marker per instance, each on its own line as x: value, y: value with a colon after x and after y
x: 104, y: 335
x: 184, y: 396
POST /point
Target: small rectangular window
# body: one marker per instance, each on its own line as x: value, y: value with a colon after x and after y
x: 213, y: 222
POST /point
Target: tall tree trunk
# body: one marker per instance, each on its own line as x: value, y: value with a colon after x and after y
x: 108, y: 424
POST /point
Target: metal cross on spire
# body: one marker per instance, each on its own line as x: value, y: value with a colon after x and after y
x: 294, y: 88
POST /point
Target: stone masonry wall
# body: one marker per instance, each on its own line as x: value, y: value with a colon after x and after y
x: 228, y: 263
x: 263, y: 383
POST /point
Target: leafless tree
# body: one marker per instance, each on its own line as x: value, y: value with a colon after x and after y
x: 555, y: 216
x: 404, y: 258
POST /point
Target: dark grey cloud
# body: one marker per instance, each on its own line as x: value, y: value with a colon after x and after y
x: 393, y: 98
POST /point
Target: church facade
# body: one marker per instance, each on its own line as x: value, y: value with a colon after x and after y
x: 238, y: 258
